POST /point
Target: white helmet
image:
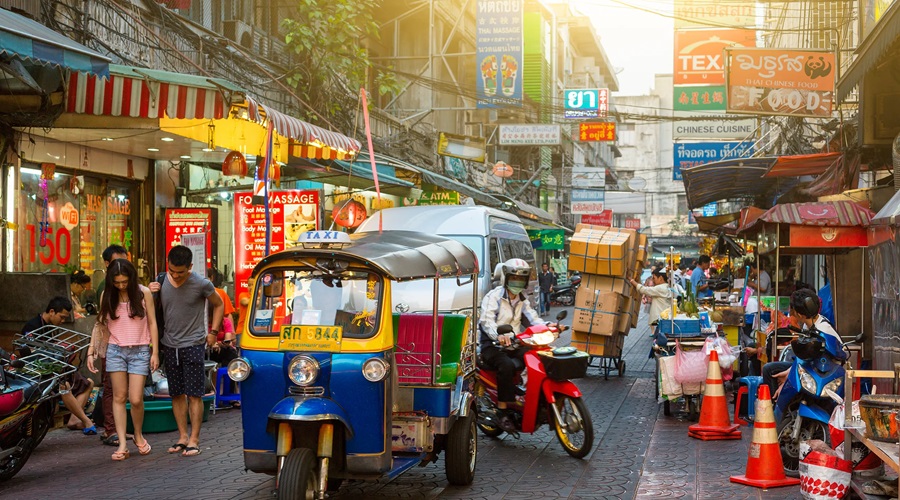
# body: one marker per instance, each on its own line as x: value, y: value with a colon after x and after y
x: 515, y: 267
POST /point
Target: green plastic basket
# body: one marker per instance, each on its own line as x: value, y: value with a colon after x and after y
x: 158, y: 416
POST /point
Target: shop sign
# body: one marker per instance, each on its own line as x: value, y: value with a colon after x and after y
x: 597, y: 131
x: 498, y: 45
x: 586, y: 103
x: 827, y: 236
x: 781, y: 82
x: 700, y: 57
x: 461, y: 146
x: 588, y: 177
x: 691, y: 154
x: 631, y: 223
x: 529, y: 135
x: 68, y: 216
x: 699, y: 98
x: 711, y: 126
x: 586, y: 201
x: 710, y: 209
x: 871, y: 13
x: 291, y: 212
x: 181, y: 222
x: 198, y: 244
x: 704, y: 14
x: 604, y: 218
x: 433, y: 197
x: 547, y: 239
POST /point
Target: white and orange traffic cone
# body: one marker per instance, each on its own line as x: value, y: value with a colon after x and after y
x: 715, y: 424
x: 764, y: 466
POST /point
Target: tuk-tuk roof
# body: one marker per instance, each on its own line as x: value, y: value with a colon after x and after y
x: 401, y: 255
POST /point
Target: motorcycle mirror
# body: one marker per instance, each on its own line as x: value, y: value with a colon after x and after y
x: 859, y: 338
x: 504, y: 329
x: 562, y: 315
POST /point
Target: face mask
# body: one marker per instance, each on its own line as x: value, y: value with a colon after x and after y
x: 515, y: 288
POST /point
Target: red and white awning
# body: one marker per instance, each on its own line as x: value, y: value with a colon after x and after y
x: 311, y: 141
x: 142, y: 98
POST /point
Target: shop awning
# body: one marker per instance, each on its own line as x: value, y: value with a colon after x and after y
x: 800, y: 165
x: 870, y: 51
x: 147, y: 93
x: 525, y: 210
x: 826, y: 213
x: 726, y: 223
x: 33, y: 42
x: 734, y: 179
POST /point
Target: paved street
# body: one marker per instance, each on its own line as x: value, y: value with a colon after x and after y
x: 639, y: 453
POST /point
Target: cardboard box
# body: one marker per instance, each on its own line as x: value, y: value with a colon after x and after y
x: 596, y: 311
x: 601, y: 250
x: 623, y: 326
x: 606, y: 284
x: 597, y: 345
x: 635, y: 312
x: 583, y: 250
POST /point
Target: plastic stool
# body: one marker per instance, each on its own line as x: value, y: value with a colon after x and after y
x: 224, y: 393
x: 747, y: 388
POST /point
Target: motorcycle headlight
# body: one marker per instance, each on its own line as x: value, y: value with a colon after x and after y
x: 303, y: 370
x: 239, y: 369
x: 833, y: 386
x: 808, y: 382
x: 375, y: 369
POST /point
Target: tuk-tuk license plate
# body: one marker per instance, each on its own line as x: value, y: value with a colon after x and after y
x: 310, y: 338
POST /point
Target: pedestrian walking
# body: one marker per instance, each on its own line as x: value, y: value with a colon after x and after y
x: 108, y: 437
x: 131, y: 343
x: 183, y: 296
x: 546, y: 282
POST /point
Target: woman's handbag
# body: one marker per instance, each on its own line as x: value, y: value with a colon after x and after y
x: 100, y: 339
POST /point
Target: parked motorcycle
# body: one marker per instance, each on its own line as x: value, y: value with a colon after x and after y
x: 803, y: 407
x: 30, y: 391
x: 564, y: 295
x: 549, y: 396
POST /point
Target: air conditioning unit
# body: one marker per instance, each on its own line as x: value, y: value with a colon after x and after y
x: 240, y: 32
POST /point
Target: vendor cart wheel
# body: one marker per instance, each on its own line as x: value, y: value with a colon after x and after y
x: 576, y: 430
x: 621, y: 366
x: 298, y: 479
x: 667, y: 408
x: 462, y: 449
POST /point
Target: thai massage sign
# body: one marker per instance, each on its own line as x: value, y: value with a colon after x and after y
x: 498, y: 46
x: 700, y: 57
x: 781, y: 82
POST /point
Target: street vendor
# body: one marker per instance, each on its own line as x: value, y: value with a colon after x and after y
x: 699, y: 281
x: 660, y: 296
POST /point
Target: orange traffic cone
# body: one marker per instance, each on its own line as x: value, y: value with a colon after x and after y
x: 715, y: 424
x: 764, y: 466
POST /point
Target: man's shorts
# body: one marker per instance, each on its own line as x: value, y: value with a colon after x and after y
x: 129, y: 359
x: 185, y: 370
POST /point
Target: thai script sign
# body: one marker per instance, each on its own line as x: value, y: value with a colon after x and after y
x: 699, y: 54
x: 781, y: 82
x: 597, y: 131
x: 712, y: 126
x: 586, y: 103
x: 690, y: 154
x: 603, y: 218
x: 587, y: 201
x: 498, y: 45
x: 706, y: 14
x: 529, y: 135
x: 699, y: 98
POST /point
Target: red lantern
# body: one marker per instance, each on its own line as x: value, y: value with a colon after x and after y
x: 349, y: 213
x: 502, y: 169
x: 234, y: 164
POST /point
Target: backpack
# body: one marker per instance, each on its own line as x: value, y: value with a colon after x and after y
x: 160, y: 317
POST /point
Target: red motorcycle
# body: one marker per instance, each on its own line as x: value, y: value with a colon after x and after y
x: 549, y: 396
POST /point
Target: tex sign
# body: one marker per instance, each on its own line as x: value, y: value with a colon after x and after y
x: 700, y: 54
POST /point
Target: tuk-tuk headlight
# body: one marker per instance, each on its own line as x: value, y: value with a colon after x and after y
x: 303, y: 370
x: 375, y: 369
x: 239, y: 369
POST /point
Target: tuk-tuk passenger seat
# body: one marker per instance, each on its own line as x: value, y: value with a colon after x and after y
x: 414, y: 342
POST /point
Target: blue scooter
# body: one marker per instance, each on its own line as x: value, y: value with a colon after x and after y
x: 803, y: 407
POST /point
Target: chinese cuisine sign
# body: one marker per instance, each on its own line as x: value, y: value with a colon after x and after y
x: 499, y: 53
x: 292, y: 213
x: 781, y: 82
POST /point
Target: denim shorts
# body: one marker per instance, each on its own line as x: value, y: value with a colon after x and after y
x: 130, y: 359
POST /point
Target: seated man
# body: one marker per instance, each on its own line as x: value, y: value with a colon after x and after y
x: 78, y: 388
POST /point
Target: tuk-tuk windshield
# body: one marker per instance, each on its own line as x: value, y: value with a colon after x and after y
x: 349, y: 299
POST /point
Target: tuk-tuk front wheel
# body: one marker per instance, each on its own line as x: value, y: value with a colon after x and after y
x: 298, y: 476
x: 461, y: 451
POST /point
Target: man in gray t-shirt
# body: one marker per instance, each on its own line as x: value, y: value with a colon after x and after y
x: 185, y: 337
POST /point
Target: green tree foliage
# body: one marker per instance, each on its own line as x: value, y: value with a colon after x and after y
x: 329, y: 40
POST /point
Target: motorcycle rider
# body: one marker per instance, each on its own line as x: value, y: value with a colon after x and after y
x: 805, y: 306
x: 506, y: 305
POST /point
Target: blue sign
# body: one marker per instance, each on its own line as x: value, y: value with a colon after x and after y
x: 689, y: 154
x: 585, y: 103
x: 587, y: 195
x: 710, y: 209
x: 498, y: 46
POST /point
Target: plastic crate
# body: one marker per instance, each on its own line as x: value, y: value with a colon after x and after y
x: 683, y: 327
x: 158, y: 416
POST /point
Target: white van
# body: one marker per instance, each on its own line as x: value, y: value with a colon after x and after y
x: 494, y: 235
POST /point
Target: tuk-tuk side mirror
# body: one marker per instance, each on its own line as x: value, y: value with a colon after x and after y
x: 275, y: 285
x: 562, y: 315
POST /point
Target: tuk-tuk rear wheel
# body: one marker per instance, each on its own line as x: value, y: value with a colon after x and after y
x: 298, y: 477
x: 461, y: 451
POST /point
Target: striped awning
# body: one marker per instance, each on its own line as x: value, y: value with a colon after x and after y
x: 145, y: 93
x: 831, y: 213
x: 799, y: 165
x: 33, y: 42
x: 307, y: 140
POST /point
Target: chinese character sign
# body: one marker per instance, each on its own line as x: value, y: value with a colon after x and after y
x: 547, y: 239
x: 688, y: 154
x: 699, y: 98
x: 597, y: 131
x: 499, y: 53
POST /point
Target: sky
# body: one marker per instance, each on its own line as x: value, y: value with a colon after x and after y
x: 639, y: 44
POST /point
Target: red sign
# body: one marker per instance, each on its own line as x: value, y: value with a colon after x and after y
x: 597, y: 131
x: 291, y: 213
x: 700, y: 54
x: 189, y: 221
x: 633, y: 224
x: 604, y: 218
x: 828, y: 236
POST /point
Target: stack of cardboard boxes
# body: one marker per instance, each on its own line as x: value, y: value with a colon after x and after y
x: 606, y: 305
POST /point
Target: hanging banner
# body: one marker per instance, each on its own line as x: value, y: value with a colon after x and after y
x: 690, y: 154
x: 699, y: 98
x: 185, y: 221
x: 700, y: 57
x: 292, y: 213
x: 781, y: 82
x: 498, y: 45
x: 706, y: 14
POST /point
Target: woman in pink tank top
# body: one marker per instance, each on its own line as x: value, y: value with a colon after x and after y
x: 127, y: 310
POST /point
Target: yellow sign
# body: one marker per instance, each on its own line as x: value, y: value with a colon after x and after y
x: 310, y: 338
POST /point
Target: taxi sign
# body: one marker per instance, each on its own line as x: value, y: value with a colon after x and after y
x: 323, y: 239
x: 310, y: 338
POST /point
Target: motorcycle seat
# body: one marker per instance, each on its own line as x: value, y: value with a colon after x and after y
x: 15, y: 382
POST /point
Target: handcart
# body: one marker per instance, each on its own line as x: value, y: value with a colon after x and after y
x: 609, y: 363
x: 690, y: 393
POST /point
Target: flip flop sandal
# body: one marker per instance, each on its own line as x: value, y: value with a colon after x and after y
x: 90, y: 431
x: 189, y: 451
x: 177, y: 448
x: 145, y: 449
x: 120, y: 455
